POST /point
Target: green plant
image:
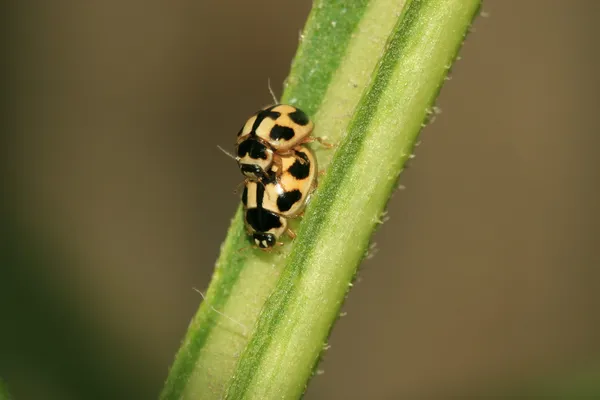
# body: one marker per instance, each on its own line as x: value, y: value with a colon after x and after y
x: 369, y: 73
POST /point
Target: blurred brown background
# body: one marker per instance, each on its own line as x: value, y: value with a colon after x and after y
x: 116, y: 199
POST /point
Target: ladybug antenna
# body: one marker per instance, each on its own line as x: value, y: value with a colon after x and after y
x: 275, y: 101
x: 227, y: 153
x: 237, y: 188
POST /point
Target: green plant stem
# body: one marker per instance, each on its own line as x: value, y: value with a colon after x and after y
x: 368, y: 72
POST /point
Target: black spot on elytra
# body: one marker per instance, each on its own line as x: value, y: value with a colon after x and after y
x: 300, y: 168
x: 254, y: 148
x: 258, y: 218
x: 245, y: 196
x: 299, y: 117
x: 261, y: 115
x: 279, y: 132
x: 286, y: 200
x: 262, y: 220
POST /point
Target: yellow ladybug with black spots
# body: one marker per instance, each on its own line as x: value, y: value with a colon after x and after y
x: 270, y: 134
x: 282, y: 194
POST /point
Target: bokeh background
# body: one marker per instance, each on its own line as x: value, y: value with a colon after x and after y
x: 115, y: 201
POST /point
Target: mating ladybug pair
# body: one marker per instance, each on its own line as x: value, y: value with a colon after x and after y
x: 280, y: 172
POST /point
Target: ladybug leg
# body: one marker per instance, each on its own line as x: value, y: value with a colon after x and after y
x: 293, y: 152
x: 323, y: 143
x: 274, y: 248
x: 291, y: 233
x: 277, y: 164
x: 315, y: 183
x: 243, y: 249
x: 268, y: 249
x: 277, y: 168
x: 241, y: 184
x: 288, y: 153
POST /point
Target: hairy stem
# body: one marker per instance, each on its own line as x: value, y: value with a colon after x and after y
x: 368, y: 72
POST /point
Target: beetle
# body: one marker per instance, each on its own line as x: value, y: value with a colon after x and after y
x: 270, y: 134
x: 284, y: 194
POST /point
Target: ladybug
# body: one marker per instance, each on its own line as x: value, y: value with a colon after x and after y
x: 269, y: 135
x: 283, y: 194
